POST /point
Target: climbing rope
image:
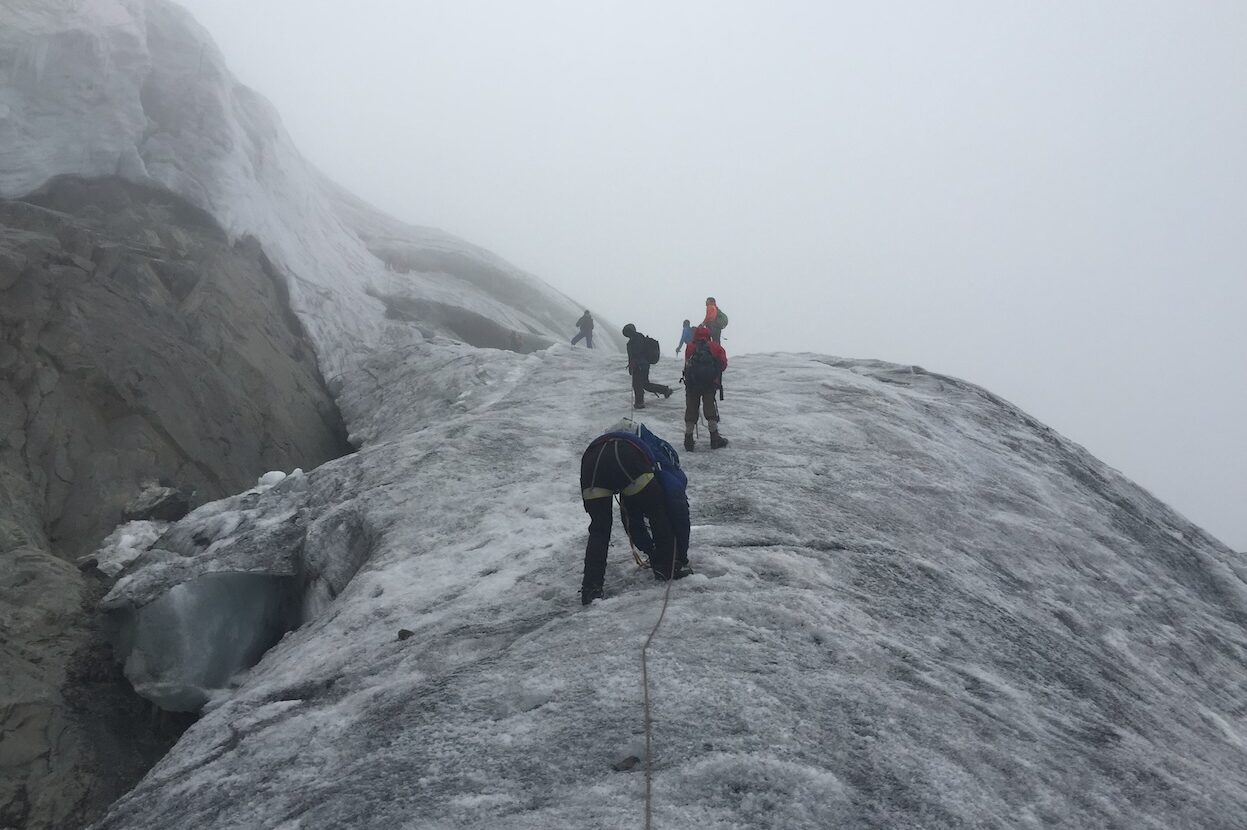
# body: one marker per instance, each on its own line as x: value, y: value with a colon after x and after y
x: 649, y: 725
x: 649, y: 721
x: 641, y: 561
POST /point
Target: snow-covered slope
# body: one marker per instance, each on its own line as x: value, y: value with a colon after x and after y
x: 914, y: 607
x: 136, y: 88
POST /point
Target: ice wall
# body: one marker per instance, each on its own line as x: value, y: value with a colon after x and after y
x: 215, y: 591
x: 189, y: 642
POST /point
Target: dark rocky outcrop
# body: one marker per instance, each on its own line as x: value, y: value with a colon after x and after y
x: 158, y: 502
x: 137, y: 343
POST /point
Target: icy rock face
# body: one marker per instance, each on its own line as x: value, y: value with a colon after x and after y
x: 444, y: 266
x: 191, y: 167
x: 136, y: 88
x: 136, y: 342
x: 215, y: 591
x: 914, y: 606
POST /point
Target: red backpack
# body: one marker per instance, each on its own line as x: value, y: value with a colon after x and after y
x: 701, y: 370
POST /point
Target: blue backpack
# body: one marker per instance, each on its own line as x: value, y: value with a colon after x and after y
x: 662, y: 455
x: 666, y: 459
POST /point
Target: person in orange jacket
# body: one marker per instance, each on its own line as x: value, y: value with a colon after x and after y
x: 704, y: 364
x: 715, y: 319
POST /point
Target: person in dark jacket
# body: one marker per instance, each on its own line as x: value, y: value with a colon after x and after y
x: 653, y: 504
x: 638, y: 367
x: 686, y: 337
x: 585, y: 324
x: 704, y: 364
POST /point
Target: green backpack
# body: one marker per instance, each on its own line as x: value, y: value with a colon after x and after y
x: 720, y: 320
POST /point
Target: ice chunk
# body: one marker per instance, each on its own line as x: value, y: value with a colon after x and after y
x: 199, y: 634
x: 127, y: 543
x: 270, y: 478
x: 337, y: 545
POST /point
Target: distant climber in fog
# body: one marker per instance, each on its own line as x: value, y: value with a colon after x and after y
x: 642, y: 352
x: 686, y: 337
x: 585, y: 324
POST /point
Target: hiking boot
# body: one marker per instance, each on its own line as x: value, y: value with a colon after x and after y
x: 589, y: 593
x: 681, y: 571
x: 688, y: 441
x: 639, y: 405
x: 717, y: 441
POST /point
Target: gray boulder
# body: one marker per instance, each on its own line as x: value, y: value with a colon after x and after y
x: 156, y: 502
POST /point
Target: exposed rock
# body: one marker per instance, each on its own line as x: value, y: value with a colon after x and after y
x: 72, y: 737
x: 145, y: 346
x: 136, y: 343
x: 159, y: 503
x: 39, y: 595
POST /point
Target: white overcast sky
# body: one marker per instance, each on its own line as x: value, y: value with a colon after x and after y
x: 1046, y: 198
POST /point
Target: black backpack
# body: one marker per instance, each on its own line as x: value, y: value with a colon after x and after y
x: 653, y: 350
x: 702, y: 370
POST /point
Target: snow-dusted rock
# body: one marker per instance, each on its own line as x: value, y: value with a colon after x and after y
x: 136, y: 343
x: 158, y: 502
x: 133, y: 92
x: 127, y: 543
x: 136, y: 88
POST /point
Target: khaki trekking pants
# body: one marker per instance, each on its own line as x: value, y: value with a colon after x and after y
x: 694, y: 402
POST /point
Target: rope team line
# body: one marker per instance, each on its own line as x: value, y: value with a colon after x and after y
x: 641, y: 561
x: 649, y: 769
x: 649, y: 719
